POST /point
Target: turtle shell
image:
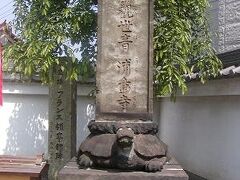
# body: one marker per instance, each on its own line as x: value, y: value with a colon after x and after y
x: 99, y: 145
x: 149, y: 146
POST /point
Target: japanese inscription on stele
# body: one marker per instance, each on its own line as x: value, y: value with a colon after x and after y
x: 62, y: 120
x: 56, y: 138
x: 124, y: 59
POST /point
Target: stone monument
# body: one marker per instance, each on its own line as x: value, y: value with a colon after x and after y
x: 123, y: 135
x: 62, y: 122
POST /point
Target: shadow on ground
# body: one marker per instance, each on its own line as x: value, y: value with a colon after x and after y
x: 194, y: 177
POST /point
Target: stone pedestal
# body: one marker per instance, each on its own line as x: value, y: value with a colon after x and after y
x: 123, y: 135
x: 171, y: 171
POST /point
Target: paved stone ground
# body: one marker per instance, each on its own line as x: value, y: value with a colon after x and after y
x: 191, y: 175
x: 171, y: 171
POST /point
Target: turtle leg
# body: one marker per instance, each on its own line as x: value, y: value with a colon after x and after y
x: 85, y: 161
x: 155, y: 164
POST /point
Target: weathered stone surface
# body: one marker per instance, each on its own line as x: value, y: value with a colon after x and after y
x: 62, y: 123
x: 149, y: 146
x: 111, y: 127
x: 99, y: 145
x: 224, y: 23
x: 124, y: 98
x: 123, y: 150
x: 124, y: 77
x: 171, y: 171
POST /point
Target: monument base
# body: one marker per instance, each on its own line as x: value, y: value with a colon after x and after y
x: 171, y: 171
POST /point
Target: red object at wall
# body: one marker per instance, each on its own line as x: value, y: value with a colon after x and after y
x: 1, y: 74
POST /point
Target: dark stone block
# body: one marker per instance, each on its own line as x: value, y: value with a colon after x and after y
x: 171, y: 171
x: 124, y: 150
x: 111, y: 127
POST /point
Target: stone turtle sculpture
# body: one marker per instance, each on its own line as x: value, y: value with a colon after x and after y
x: 123, y: 150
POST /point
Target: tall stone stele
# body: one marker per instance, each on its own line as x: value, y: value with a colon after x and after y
x: 62, y: 120
x: 123, y: 135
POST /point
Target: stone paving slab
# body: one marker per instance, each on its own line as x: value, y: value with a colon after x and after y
x: 171, y: 171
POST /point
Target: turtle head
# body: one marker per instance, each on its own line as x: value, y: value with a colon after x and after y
x: 125, y: 137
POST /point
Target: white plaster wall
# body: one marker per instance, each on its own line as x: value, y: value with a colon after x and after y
x: 24, y: 118
x: 201, y: 128
x: 85, y: 113
x: 202, y: 131
x: 23, y: 124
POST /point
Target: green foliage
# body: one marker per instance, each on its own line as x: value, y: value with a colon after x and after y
x: 50, y: 30
x: 182, y: 44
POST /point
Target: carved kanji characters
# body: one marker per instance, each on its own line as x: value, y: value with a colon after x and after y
x: 124, y: 85
x: 59, y: 136
x: 124, y: 102
x: 124, y: 67
x: 125, y: 25
x: 126, y: 8
x: 125, y: 41
x: 59, y: 126
x: 58, y: 155
x: 59, y: 147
